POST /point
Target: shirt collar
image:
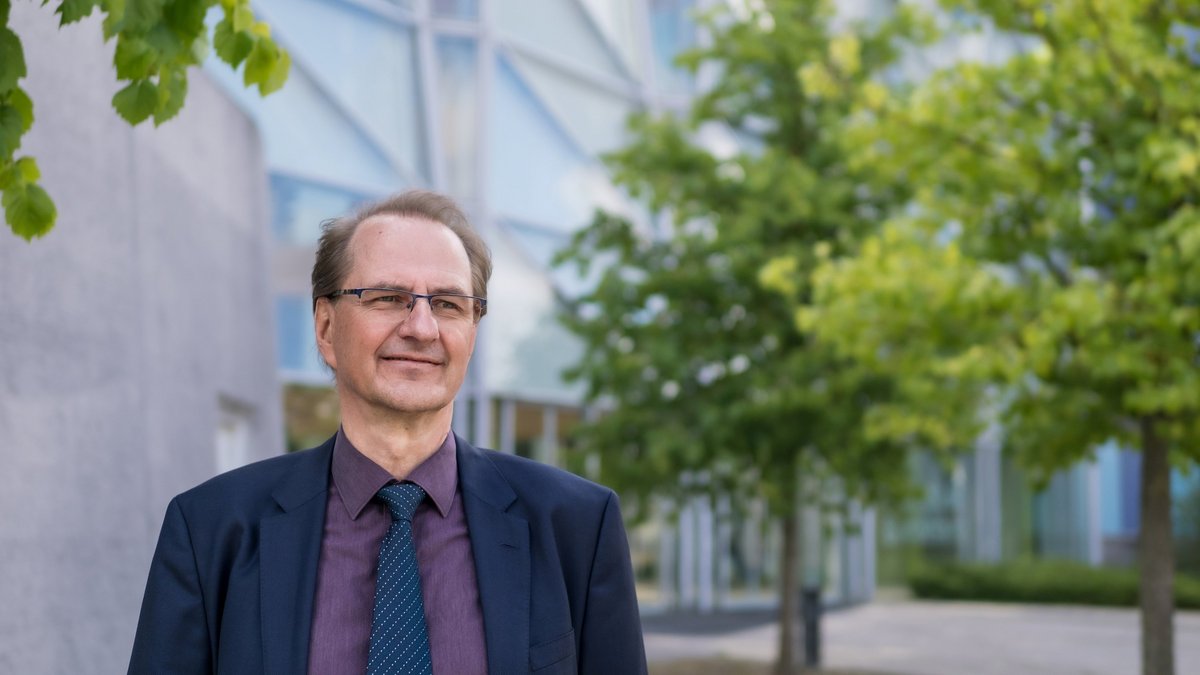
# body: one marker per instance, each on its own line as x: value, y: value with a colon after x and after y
x: 357, y: 478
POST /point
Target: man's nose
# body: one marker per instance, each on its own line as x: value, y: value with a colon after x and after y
x: 420, y: 322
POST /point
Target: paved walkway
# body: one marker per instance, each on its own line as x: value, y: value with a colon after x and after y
x: 949, y: 638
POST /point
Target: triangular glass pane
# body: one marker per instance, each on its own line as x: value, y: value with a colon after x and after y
x: 595, y: 118
x: 535, y: 172
x: 561, y: 28
x: 304, y: 133
x: 367, y: 62
x: 617, y: 19
x: 672, y: 30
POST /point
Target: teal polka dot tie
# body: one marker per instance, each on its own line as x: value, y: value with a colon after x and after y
x: 399, y: 637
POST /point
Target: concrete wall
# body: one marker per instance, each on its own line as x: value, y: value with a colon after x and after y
x: 124, y: 335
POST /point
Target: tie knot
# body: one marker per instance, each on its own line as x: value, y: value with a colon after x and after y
x: 401, y: 499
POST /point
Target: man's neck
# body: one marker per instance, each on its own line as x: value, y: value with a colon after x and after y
x: 398, y: 443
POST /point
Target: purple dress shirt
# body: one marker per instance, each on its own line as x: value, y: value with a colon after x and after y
x: 354, y: 527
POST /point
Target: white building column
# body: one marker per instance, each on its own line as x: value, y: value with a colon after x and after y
x: 987, y: 473
x: 686, y: 557
x: 1093, y: 527
x: 705, y: 555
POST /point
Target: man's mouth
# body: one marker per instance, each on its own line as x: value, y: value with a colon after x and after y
x: 413, y: 358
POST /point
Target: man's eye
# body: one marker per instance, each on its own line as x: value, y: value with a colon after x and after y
x: 391, y: 299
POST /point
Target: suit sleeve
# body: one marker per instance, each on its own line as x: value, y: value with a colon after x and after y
x: 172, y: 633
x: 612, y: 628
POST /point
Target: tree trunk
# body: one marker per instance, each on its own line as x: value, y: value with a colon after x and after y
x: 790, y: 589
x: 1156, y: 556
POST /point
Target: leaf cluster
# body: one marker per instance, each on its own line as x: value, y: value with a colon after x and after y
x: 1047, y: 263
x: 156, y: 42
x: 691, y: 352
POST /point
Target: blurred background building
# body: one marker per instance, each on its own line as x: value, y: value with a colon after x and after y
x: 508, y: 106
x: 154, y: 337
x: 136, y: 352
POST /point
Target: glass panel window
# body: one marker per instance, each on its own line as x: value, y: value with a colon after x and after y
x: 536, y: 172
x: 671, y: 32
x: 539, y: 246
x: 304, y: 132
x: 560, y: 27
x: 295, y: 339
x: 458, y: 104
x: 456, y: 9
x: 367, y: 64
x: 594, y: 118
x: 299, y: 207
x: 527, y: 348
x: 616, y: 20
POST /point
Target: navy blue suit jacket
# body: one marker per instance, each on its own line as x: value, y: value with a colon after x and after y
x: 232, y: 581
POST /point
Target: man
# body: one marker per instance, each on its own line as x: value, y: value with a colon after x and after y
x: 272, y: 568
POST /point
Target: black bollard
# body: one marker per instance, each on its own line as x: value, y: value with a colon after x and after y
x: 810, y: 610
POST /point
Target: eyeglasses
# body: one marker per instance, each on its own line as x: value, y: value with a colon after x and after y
x: 397, y: 304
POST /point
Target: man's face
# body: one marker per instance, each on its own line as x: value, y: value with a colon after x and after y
x: 415, y: 365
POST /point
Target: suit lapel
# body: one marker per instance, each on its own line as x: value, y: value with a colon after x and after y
x: 500, y: 544
x: 289, y: 549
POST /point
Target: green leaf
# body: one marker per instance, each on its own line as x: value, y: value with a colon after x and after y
x: 11, y: 129
x: 112, y: 20
x: 243, y: 18
x: 278, y: 74
x: 12, y: 60
x: 134, y: 58
x: 28, y: 209
x: 27, y: 168
x: 71, y: 11
x: 233, y: 47
x: 186, y: 17
x: 172, y: 91
x: 141, y: 15
x: 267, y: 66
x: 137, y: 101
x: 259, y: 65
x: 18, y: 99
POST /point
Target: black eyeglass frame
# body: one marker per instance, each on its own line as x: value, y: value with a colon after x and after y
x: 357, y: 292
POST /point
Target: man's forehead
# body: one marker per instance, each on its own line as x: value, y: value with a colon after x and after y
x: 385, y: 243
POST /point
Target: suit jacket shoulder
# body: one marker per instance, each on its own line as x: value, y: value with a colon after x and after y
x: 553, y: 568
x: 230, y: 585
x: 294, y: 476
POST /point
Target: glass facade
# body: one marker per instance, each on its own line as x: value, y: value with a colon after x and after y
x: 507, y: 105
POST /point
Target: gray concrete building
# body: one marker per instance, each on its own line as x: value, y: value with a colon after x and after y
x: 136, y: 348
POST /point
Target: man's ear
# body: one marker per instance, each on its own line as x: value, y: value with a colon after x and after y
x: 323, y: 328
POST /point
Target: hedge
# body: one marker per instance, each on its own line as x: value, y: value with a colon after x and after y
x: 1056, y: 582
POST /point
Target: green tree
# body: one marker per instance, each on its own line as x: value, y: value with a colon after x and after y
x: 705, y: 381
x: 1047, y: 267
x: 156, y: 41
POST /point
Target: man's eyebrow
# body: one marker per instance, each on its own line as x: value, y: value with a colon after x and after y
x: 452, y: 290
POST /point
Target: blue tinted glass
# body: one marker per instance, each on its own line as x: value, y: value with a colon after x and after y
x: 456, y: 9
x: 671, y: 32
x: 293, y: 313
x: 1109, y: 458
x: 299, y: 207
x: 304, y: 132
x: 458, y: 107
x: 535, y: 172
x: 540, y: 245
x: 366, y: 65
